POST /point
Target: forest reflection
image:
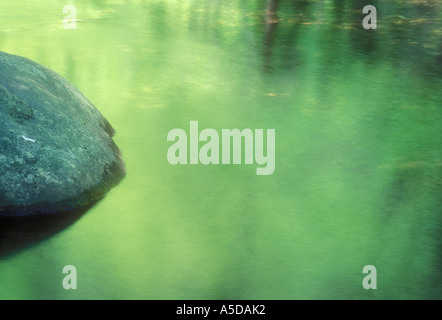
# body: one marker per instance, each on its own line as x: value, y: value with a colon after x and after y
x: 408, y: 36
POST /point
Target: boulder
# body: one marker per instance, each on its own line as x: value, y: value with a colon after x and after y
x: 56, y: 149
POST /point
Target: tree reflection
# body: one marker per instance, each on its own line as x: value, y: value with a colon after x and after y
x: 408, y: 34
x: 271, y: 22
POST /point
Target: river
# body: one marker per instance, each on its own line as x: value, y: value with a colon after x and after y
x: 358, y: 166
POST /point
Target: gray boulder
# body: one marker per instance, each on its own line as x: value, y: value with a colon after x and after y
x: 56, y: 149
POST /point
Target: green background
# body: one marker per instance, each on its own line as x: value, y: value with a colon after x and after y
x: 358, y: 174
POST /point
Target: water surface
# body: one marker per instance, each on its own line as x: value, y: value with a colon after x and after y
x: 358, y: 172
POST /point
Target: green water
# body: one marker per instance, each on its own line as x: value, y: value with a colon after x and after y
x: 358, y: 175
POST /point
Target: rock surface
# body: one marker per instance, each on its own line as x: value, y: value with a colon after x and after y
x: 56, y: 149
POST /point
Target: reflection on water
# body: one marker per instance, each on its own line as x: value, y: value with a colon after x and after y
x: 18, y: 233
x: 271, y: 22
x: 358, y: 172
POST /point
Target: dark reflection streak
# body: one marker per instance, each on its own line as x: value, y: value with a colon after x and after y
x: 271, y: 21
x: 338, y: 12
x: 288, y: 47
x: 21, y: 232
x: 364, y: 42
